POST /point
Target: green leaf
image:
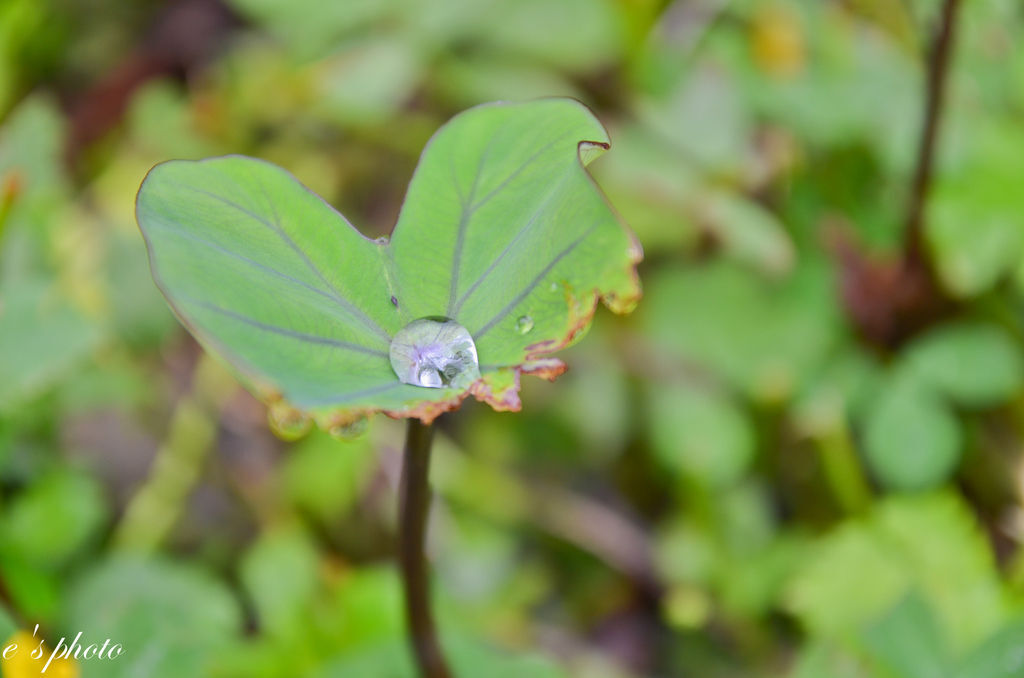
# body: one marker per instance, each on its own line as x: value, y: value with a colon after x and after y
x: 309, y: 27
x: 31, y: 174
x: 827, y: 594
x: 41, y: 339
x: 36, y: 593
x: 369, y: 81
x: 326, y: 476
x: 161, y: 122
x: 825, y: 660
x: 974, y: 364
x: 975, y: 227
x: 476, y: 77
x: 138, y: 316
x: 929, y: 543
x: 501, y: 225
x: 30, y: 147
x: 747, y: 231
x: 911, y: 439
x: 974, y: 245
x: 949, y: 557
x: 7, y: 625
x: 170, y: 619
x: 755, y: 586
x: 700, y: 433
x: 841, y: 388
x: 1000, y: 656
x: 763, y: 336
x: 908, y: 642
x: 282, y: 603
x: 703, y: 117
x: 467, y: 657
x: 54, y: 518
x: 369, y: 607
x: 573, y: 35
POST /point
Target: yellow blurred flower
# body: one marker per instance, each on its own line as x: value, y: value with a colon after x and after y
x: 20, y: 663
x: 777, y: 38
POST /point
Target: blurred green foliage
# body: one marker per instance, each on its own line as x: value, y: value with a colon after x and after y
x: 738, y: 480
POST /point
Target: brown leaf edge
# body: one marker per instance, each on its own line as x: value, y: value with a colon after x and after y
x: 500, y: 388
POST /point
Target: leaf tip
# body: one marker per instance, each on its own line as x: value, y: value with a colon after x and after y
x: 589, y: 151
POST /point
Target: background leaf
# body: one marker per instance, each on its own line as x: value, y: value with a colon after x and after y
x: 41, y: 337
x: 48, y: 524
x: 927, y: 543
x: 1000, y: 656
x: 974, y: 364
x: 467, y: 657
x: 701, y: 433
x: 911, y: 438
x: 169, y: 618
x: 907, y: 643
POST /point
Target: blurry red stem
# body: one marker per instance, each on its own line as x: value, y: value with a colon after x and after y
x: 413, y: 511
x: 938, y: 71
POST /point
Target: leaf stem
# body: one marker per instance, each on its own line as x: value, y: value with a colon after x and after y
x: 843, y: 469
x: 938, y: 71
x: 414, y: 509
x: 155, y: 509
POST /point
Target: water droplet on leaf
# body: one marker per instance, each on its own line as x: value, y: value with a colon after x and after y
x: 435, y: 353
x: 349, y: 429
x: 524, y: 324
x: 287, y: 422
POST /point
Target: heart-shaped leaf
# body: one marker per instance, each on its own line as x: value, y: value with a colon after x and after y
x: 502, y: 231
x: 912, y: 440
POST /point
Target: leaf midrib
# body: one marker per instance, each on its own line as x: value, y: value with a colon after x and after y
x: 469, y: 208
x: 511, y: 243
x: 518, y: 299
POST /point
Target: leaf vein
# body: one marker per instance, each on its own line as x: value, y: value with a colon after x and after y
x: 465, y: 213
x: 518, y: 299
x: 469, y: 208
x: 508, y: 248
x: 285, y: 332
x: 252, y: 262
x: 356, y: 312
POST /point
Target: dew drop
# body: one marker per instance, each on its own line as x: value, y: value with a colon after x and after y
x: 524, y: 324
x: 287, y: 422
x: 435, y: 353
x: 349, y: 429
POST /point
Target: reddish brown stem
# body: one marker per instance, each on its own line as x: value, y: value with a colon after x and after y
x: 938, y: 72
x: 414, y: 509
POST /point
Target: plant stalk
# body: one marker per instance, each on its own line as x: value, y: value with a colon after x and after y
x: 938, y: 74
x: 414, y: 509
x: 843, y: 469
